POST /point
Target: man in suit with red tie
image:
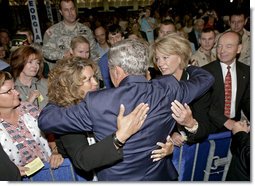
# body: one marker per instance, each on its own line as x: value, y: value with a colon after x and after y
x: 230, y: 93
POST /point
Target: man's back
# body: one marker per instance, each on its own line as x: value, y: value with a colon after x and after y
x: 98, y: 112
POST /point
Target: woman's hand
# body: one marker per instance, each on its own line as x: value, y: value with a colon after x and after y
x: 131, y: 123
x: 22, y: 170
x: 177, y: 139
x: 166, y: 149
x: 33, y: 95
x: 56, y: 160
x: 182, y: 114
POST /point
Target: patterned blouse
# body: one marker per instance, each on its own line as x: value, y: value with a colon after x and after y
x: 25, y: 142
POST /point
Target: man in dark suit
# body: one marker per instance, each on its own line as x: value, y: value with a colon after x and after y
x: 195, y: 34
x: 228, y: 47
x: 128, y: 61
x: 239, y: 169
x: 209, y: 109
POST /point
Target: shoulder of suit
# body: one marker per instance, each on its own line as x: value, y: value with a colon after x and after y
x: 240, y: 64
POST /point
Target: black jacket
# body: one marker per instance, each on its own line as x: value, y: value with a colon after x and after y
x: 8, y: 170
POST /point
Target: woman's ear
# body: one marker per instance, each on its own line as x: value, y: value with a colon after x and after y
x: 71, y: 51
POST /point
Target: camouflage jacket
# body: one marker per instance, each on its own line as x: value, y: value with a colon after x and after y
x: 57, y: 39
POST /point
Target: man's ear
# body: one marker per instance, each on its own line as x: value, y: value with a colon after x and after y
x: 60, y: 12
x: 120, y: 73
x: 240, y: 46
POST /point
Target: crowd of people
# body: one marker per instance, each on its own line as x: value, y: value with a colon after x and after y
x: 116, y: 99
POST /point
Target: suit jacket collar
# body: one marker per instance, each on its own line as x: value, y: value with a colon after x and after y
x: 133, y: 79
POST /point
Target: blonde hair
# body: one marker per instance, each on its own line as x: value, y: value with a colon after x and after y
x: 77, y: 40
x: 172, y: 44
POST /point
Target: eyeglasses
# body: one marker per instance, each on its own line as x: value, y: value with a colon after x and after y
x: 8, y: 91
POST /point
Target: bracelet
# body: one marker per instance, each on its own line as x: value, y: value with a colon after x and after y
x: 116, y: 141
x: 194, y: 128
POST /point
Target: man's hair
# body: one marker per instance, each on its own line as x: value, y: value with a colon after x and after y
x: 167, y: 22
x: 131, y: 55
x: 65, y: 80
x: 237, y: 12
x: 66, y: 2
x: 114, y: 29
x: 236, y: 33
x: 207, y: 30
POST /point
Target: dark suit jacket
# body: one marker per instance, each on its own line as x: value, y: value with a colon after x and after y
x: 239, y: 169
x: 87, y: 157
x: 213, y: 101
x: 205, y: 127
x: 8, y: 170
x: 192, y: 38
x: 98, y: 112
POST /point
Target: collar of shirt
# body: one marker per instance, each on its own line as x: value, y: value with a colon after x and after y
x: 225, y: 70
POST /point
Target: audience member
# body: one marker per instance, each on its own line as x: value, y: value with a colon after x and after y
x: 79, y: 47
x: 21, y: 138
x: 204, y: 54
x: 173, y: 59
x: 148, y: 24
x: 5, y: 40
x: 3, y: 56
x: 239, y: 169
x: 237, y: 22
x: 79, y: 75
x: 182, y: 33
x: 114, y: 36
x: 102, y: 45
x: 28, y: 33
x: 195, y: 34
x: 56, y: 40
x: 27, y: 67
x: 166, y: 27
x: 128, y: 61
x: 216, y: 101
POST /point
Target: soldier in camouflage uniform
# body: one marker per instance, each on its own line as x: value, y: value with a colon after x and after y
x: 204, y: 54
x: 57, y: 38
x: 237, y: 22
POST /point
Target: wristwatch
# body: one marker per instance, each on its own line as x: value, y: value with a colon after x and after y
x: 116, y: 141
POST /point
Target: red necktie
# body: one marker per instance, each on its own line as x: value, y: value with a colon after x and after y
x: 228, y: 92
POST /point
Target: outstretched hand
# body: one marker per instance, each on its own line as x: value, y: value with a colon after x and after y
x: 131, y: 123
x: 182, y: 113
x: 165, y: 150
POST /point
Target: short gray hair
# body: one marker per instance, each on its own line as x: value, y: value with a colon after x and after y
x: 131, y: 55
